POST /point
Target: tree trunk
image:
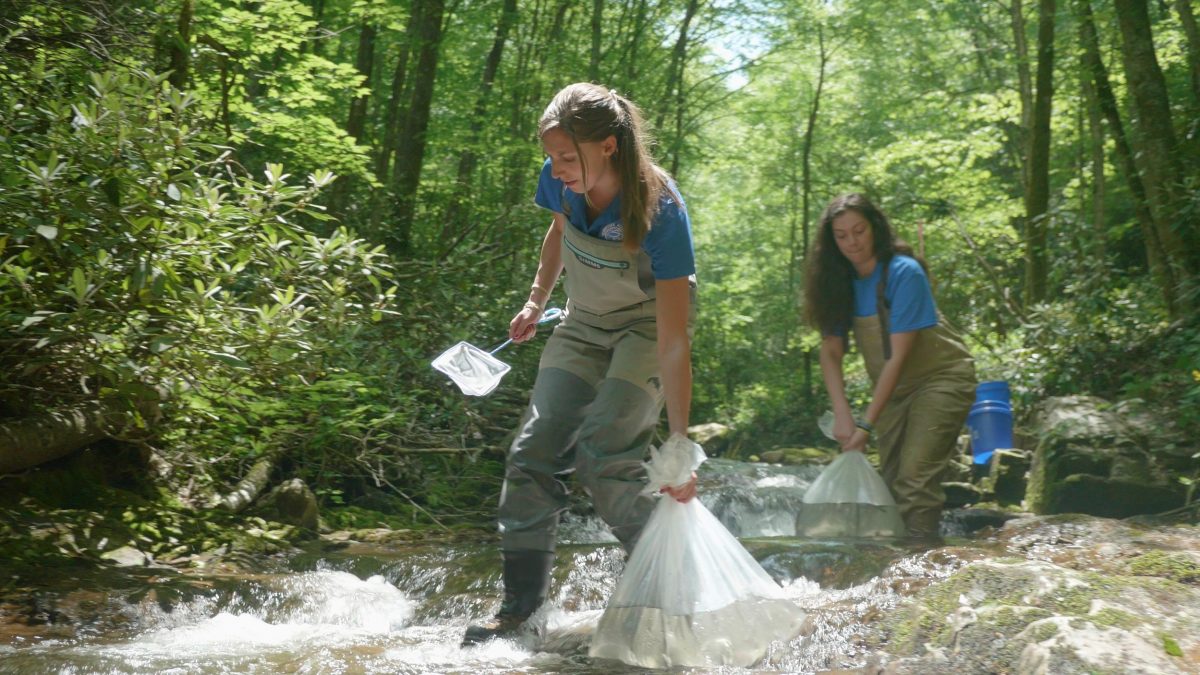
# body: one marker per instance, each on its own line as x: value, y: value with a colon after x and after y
x: 1095, y: 154
x: 317, y: 37
x: 635, y: 42
x: 1188, y: 19
x: 410, y: 153
x: 806, y: 199
x: 528, y: 91
x: 459, y: 212
x: 1154, y: 144
x: 29, y: 442
x: 676, y: 66
x: 1024, y: 87
x: 181, y: 48
x: 1163, y: 274
x: 1037, y: 195
x: 364, y: 63
x: 806, y: 157
x: 597, y: 34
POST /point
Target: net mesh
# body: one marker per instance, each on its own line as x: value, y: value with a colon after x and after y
x: 475, y: 371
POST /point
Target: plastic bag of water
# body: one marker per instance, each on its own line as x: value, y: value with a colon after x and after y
x: 849, y: 499
x: 691, y: 595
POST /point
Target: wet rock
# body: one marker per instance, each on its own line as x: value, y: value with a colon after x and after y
x: 1097, y: 458
x: 1069, y: 593
x: 1112, y: 497
x: 291, y: 502
x: 126, y: 556
x: 1008, y: 475
x: 713, y: 437
x: 961, y: 494
x: 1041, y: 618
x: 957, y: 472
x: 798, y: 456
x: 969, y: 521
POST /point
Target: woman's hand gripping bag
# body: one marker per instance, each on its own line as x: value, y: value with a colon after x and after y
x: 691, y: 595
x: 849, y: 499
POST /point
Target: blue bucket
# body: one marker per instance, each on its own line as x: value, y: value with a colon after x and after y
x: 990, y: 423
x: 996, y: 390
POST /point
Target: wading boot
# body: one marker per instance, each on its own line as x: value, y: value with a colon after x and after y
x: 924, y: 526
x: 526, y: 582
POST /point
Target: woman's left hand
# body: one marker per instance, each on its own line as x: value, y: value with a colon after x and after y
x: 683, y: 493
x: 858, y: 441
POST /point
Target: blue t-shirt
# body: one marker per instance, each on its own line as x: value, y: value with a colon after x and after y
x: 668, y: 243
x: 908, y: 293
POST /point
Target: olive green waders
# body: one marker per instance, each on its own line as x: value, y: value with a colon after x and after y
x: 594, y: 408
x: 920, y: 424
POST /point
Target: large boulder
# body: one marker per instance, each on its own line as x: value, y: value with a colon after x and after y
x: 1103, y: 459
x: 712, y: 436
x: 1069, y: 594
x: 291, y: 502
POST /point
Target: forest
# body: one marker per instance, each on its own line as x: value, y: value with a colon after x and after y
x: 234, y: 233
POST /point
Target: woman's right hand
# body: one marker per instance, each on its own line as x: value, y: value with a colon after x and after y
x: 524, y: 325
x: 843, y: 428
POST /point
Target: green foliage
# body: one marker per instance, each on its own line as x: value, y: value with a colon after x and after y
x: 151, y: 238
x: 137, y: 257
x: 276, y: 101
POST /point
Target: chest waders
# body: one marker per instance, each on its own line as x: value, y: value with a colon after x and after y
x: 593, y: 411
x: 920, y: 423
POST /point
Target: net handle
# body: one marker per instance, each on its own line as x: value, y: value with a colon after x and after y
x: 551, y: 314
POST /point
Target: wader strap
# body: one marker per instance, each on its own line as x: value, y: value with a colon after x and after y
x: 883, y: 310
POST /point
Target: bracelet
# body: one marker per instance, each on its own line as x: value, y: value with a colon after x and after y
x: 537, y: 287
x: 529, y: 304
x: 865, y: 426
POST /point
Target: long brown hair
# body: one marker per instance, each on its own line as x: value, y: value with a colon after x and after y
x: 829, y: 282
x: 590, y: 113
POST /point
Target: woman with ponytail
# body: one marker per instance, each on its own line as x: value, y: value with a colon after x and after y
x: 621, y: 233
x: 863, y: 279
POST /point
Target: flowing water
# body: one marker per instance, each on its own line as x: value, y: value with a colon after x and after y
x: 403, y: 608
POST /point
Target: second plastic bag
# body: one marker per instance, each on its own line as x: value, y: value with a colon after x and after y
x: 691, y: 595
x: 849, y: 499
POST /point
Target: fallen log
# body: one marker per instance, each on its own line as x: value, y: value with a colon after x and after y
x: 251, y: 486
x: 32, y: 441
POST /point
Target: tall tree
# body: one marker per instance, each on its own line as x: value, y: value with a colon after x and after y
x: 1154, y: 143
x: 181, y: 47
x: 1024, y: 86
x: 674, y: 89
x: 1163, y: 274
x: 364, y: 63
x: 1095, y: 152
x: 1037, y: 193
x: 455, y: 227
x: 410, y: 153
x: 1188, y: 20
x: 634, y: 44
x: 810, y: 129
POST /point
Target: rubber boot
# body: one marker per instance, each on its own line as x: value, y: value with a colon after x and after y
x: 924, y: 525
x: 526, y: 583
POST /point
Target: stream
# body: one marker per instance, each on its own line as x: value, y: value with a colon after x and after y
x: 348, y: 607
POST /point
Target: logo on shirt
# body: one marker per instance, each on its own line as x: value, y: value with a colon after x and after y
x: 613, y: 231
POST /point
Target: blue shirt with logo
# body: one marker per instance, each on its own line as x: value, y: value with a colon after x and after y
x: 908, y: 293
x: 668, y: 243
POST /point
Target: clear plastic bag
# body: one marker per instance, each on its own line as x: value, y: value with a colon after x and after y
x: 691, y: 595
x: 849, y: 499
